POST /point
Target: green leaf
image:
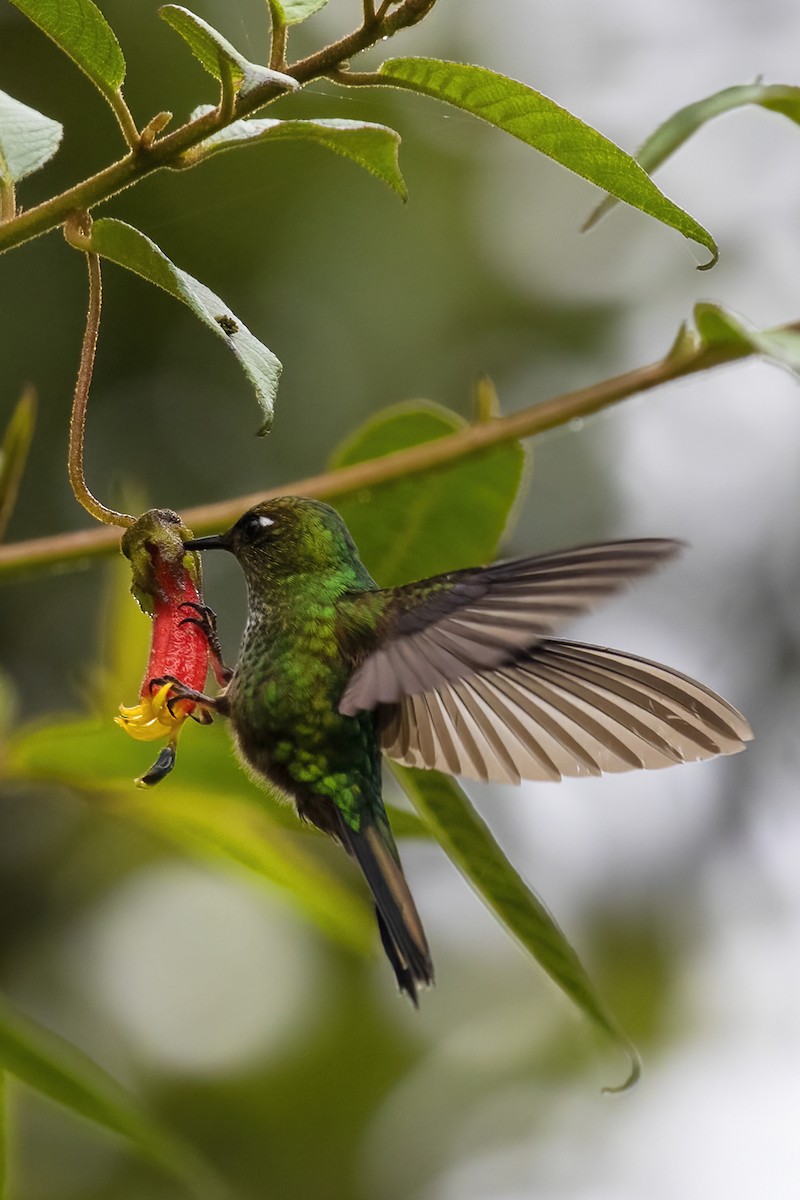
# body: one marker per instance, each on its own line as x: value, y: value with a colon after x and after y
x: 28, y: 139
x: 59, y: 1070
x: 3, y: 1134
x: 208, y: 808
x: 718, y: 327
x: 292, y: 12
x: 14, y: 454
x: 217, y: 54
x: 129, y: 248
x: 79, y: 29
x: 678, y: 128
x: 469, y: 843
x: 439, y: 520
x: 549, y: 128
x: 371, y: 146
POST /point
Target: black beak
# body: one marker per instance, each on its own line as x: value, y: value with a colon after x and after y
x: 217, y: 541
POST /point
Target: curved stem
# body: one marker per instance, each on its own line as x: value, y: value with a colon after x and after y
x: 19, y: 557
x: 77, y: 424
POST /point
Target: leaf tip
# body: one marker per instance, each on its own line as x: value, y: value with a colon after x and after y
x: 712, y: 262
x: 634, y: 1075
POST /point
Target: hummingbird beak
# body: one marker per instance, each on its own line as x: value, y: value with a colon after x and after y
x: 217, y: 541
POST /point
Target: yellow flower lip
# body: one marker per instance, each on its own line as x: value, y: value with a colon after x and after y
x: 151, y: 718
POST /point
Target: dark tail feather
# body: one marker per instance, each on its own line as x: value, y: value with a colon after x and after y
x: 401, y: 930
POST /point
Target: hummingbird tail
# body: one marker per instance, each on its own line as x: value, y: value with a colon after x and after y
x: 401, y: 930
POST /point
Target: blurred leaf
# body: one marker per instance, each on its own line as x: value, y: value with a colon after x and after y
x: 59, y: 1070
x: 373, y: 147
x: 718, y: 327
x: 3, y: 1134
x: 225, y: 830
x: 28, y: 139
x: 466, y: 838
x: 14, y: 454
x: 449, y: 517
x: 79, y: 29
x: 209, y: 807
x: 549, y: 128
x: 292, y: 12
x: 217, y: 54
x: 129, y: 248
x: 678, y: 128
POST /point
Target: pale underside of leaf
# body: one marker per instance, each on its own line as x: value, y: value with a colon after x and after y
x: 470, y: 845
x: 129, y: 248
x: 28, y: 139
x: 546, y: 126
x: 79, y: 29
x: 682, y: 125
x: 217, y: 54
x: 371, y: 146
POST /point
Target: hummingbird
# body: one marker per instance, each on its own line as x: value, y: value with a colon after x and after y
x: 459, y: 673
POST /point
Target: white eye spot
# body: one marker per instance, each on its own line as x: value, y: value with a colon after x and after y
x: 265, y: 521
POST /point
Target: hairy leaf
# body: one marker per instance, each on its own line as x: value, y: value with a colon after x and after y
x: 466, y: 838
x: 371, y: 146
x: 217, y: 54
x: 678, y: 128
x: 449, y: 517
x: 59, y: 1070
x: 79, y: 29
x: 126, y: 246
x: 14, y: 454
x: 549, y: 128
x: 292, y: 12
x: 28, y: 139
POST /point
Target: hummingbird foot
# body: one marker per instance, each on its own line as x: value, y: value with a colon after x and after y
x: 206, y: 622
x: 206, y: 704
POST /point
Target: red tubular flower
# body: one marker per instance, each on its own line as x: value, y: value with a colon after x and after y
x: 167, y: 585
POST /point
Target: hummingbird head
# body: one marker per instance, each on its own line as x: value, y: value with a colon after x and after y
x: 290, y: 535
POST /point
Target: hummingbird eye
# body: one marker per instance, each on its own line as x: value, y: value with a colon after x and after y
x: 255, y: 526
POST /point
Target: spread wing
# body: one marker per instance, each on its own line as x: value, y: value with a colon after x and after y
x: 563, y: 709
x: 451, y: 627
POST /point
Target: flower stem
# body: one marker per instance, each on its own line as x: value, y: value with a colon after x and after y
x: 77, y: 425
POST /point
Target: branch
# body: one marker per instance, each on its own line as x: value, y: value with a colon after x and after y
x: 77, y: 548
x: 168, y: 152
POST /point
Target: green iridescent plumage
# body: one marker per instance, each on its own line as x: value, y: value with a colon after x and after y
x: 459, y: 673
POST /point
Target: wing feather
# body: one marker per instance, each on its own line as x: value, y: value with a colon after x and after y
x: 565, y: 709
x: 451, y: 627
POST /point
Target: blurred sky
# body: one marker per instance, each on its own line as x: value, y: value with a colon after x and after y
x: 683, y: 883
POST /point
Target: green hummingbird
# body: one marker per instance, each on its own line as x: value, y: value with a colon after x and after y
x: 459, y: 673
